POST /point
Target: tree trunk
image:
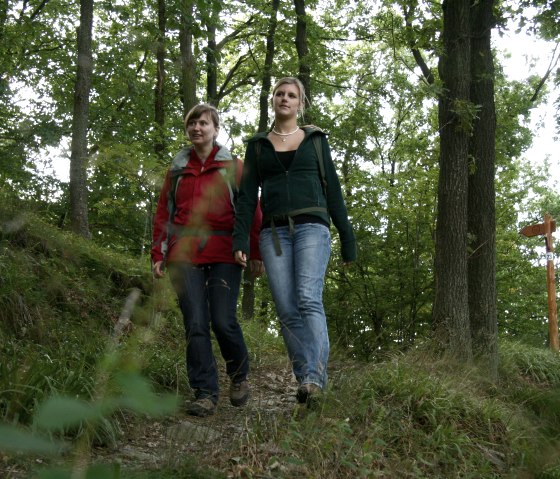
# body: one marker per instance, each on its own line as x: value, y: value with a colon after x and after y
x: 451, y: 312
x: 267, y: 69
x: 248, y: 300
x: 482, y: 210
x: 211, y: 60
x: 78, y: 155
x: 159, y: 116
x: 3, y: 17
x: 303, y: 53
x: 188, y: 64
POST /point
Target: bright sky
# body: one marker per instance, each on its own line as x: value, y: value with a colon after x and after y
x: 524, y: 51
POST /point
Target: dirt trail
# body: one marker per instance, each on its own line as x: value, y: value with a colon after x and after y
x: 224, y: 441
x: 215, y: 440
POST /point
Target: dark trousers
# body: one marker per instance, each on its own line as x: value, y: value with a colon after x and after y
x: 208, y: 299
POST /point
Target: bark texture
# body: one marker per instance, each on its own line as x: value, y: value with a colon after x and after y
x: 482, y: 208
x: 79, y: 153
x: 451, y: 312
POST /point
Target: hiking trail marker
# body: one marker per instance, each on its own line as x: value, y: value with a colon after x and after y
x: 546, y: 229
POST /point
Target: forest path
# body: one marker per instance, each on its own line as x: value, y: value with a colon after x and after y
x: 219, y: 441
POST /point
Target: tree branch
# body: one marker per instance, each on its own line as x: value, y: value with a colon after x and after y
x: 426, y: 72
x: 551, y: 66
x: 38, y: 10
x: 235, y: 33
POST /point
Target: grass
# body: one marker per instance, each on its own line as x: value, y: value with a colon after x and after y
x: 412, y: 417
x: 409, y: 416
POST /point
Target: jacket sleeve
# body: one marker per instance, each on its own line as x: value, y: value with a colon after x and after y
x: 161, y: 218
x: 247, y: 202
x: 255, y: 252
x: 337, y: 207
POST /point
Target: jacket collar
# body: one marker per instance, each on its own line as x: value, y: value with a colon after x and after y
x: 308, y: 130
x: 182, y: 158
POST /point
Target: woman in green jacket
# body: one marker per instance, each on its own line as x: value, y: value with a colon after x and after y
x: 298, y: 201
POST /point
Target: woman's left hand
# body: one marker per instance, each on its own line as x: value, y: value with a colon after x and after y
x: 256, y: 267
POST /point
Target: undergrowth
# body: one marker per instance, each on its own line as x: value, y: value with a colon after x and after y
x: 65, y: 380
x: 416, y: 417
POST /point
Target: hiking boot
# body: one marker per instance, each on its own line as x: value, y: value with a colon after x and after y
x: 239, y: 393
x: 308, y: 392
x: 201, y: 407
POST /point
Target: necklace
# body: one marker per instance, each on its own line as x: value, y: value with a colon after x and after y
x: 284, y: 135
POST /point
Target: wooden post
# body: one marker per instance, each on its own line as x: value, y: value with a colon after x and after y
x: 546, y: 229
x: 551, y: 283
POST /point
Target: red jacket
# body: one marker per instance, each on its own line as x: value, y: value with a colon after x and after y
x: 202, y: 224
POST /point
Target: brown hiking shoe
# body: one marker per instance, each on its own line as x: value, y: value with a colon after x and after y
x: 201, y: 407
x: 308, y: 392
x: 239, y: 393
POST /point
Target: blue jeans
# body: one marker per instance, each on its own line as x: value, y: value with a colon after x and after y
x: 208, y: 299
x: 296, y: 280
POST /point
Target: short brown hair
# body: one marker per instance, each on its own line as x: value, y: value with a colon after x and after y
x: 197, y: 111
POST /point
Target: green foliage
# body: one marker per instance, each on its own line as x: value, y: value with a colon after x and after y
x: 14, y: 440
x: 412, y: 416
x: 64, y: 372
x: 366, y: 92
x: 65, y: 380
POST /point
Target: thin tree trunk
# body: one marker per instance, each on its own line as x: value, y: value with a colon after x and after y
x: 451, y: 312
x: 211, y: 59
x: 188, y: 64
x: 482, y: 209
x: 248, y: 301
x: 3, y: 17
x: 303, y: 53
x: 78, y: 156
x: 267, y: 70
x: 159, y: 146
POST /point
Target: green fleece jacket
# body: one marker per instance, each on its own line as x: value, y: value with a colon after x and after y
x: 284, y: 192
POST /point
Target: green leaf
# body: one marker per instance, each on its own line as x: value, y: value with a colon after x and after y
x: 62, y: 412
x: 139, y: 396
x: 13, y: 439
x: 97, y: 471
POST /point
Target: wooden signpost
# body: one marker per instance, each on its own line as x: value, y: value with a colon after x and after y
x: 546, y: 229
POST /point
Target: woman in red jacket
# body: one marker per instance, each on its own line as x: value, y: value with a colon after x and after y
x: 192, y: 236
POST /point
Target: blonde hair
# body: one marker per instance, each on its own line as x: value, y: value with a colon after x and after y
x: 293, y: 81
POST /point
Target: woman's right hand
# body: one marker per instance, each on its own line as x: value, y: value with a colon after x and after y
x: 240, y: 258
x: 158, y: 270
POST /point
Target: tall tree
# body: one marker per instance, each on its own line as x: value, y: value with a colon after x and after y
x: 474, y: 115
x: 451, y: 310
x: 79, y: 153
x: 188, y: 64
x: 266, y: 82
x: 302, y: 47
x: 248, y: 301
x: 481, y: 192
x: 211, y: 53
x: 159, y: 91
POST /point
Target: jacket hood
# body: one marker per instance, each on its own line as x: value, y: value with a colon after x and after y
x: 182, y: 158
